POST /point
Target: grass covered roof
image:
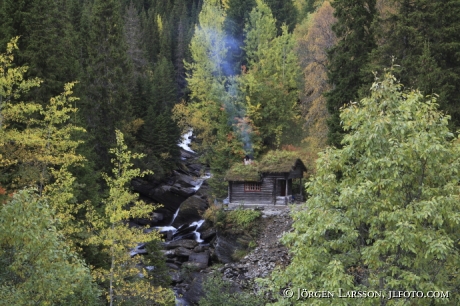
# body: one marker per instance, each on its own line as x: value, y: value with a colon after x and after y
x: 279, y: 162
x: 240, y: 172
x: 272, y: 162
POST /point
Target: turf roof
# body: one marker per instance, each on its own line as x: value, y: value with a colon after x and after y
x: 240, y: 172
x: 278, y: 162
x: 272, y: 162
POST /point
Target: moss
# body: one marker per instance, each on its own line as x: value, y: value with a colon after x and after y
x: 240, y: 172
x: 278, y: 161
x: 273, y: 162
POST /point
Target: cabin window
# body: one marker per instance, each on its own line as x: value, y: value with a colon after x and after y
x: 252, y: 187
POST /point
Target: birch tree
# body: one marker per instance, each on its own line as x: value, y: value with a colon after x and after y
x: 125, y: 279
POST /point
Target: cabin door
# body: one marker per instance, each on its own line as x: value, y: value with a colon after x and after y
x: 282, y: 184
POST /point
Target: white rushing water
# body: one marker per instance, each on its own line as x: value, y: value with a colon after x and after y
x: 201, y: 180
x: 197, y: 234
x: 186, y: 140
x: 175, y: 215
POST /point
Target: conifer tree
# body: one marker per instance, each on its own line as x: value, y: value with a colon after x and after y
x: 107, y: 79
x: 237, y: 14
x: 284, y: 12
x: 348, y: 60
x: 47, y: 45
x: 422, y: 37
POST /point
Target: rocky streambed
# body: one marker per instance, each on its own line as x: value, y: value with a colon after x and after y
x: 193, y: 248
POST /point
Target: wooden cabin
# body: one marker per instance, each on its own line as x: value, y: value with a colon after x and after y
x: 268, y: 182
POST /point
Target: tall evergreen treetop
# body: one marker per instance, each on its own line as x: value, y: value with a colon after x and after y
x: 107, y: 78
x: 347, y: 71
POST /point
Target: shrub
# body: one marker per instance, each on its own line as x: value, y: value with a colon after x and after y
x: 220, y: 292
x: 243, y: 217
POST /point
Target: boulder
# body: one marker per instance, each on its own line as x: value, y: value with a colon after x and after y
x: 169, y: 253
x: 208, y: 234
x: 186, y: 180
x: 205, y: 226
x: 174, y: 267
x: 194, y: 168
x: 183, y: 252
x: 184, y: 229
x: 180, y: 190
x: 187, y: 154
x: 176, y: 277
x: 200, y: 248
x: 195, y: 292
x: 171, y: 197
x: 190, y: 210
x: 201, y: 260
x: 185, y: 243
x: 225, y: 246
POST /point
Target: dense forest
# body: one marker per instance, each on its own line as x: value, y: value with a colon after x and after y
x: 94, y: 93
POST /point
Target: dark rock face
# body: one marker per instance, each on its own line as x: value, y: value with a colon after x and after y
x: 186, y: 243
x: 190, y: 210
x: 195, y: 292
x: 208, y: 234
x: 185, y: 180
x: 200, y: 260
x: 225, y: 246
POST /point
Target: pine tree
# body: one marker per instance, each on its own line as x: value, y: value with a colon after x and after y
x: 348, y: 60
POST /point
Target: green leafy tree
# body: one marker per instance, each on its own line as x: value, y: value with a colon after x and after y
x: 206, y: 78
x: 220, y: 292
x: 36, y: 264
x: 349, y: 58
x: 37, y: 145
x: 122, y: 277
x: 271, y: 82
x: 384, y: 210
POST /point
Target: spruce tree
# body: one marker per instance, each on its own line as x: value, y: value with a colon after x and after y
x: 348, y: 60
x: 107, y: 78
x: 423, y: 38
x: 47, y: 43
x: 284, y: 12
